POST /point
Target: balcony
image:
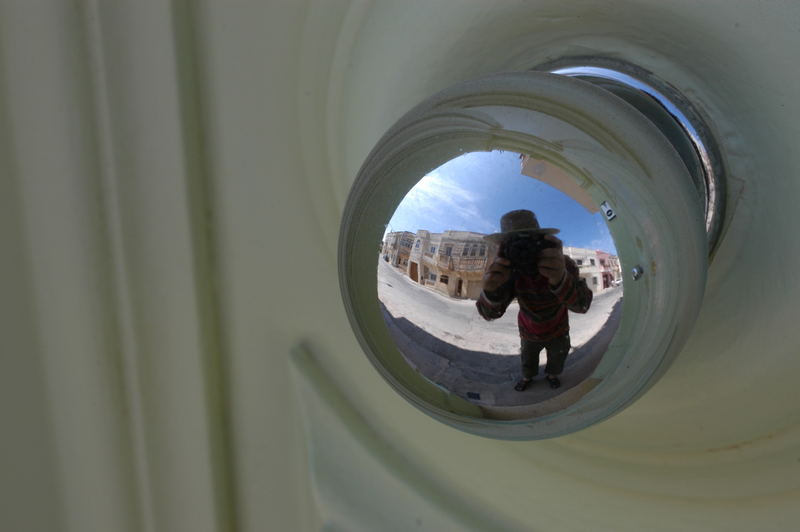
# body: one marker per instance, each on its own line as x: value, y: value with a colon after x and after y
x: 460, y: 263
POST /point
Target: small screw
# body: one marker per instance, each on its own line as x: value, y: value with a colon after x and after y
x: 608, y: 211
x: 637, y: 272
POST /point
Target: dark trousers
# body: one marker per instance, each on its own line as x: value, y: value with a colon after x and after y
x: 556, y: 354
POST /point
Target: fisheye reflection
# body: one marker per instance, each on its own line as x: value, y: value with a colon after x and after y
x: 531, y: 268
x: 483, y: 300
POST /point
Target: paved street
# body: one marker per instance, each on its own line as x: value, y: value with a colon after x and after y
x: 450, y: 344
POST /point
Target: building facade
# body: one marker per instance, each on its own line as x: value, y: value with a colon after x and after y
x: 453, y: 262
x: 396, y: 248
x: 599, y: 269
x: 588, y: 266
x: 610, y: 270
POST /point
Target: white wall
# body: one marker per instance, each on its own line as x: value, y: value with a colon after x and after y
x: 162, y: 370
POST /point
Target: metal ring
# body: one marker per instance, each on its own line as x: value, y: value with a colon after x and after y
x: 530, y: 112
x: 673, y: 114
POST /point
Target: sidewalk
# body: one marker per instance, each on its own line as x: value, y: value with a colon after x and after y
x: 447, y: 342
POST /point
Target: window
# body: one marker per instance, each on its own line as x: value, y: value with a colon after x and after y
x: 639, y: 336
x: 465, y: 251
x: 448, y: 250
x: 579, y: 262
x: 432, y: 276
x: 433, y: 249
x: 473, y: 251
x: 483, y: 251
x: 444, y: 279
x: 591, y: 261
x: 594, y: 280
x: 417, y: 244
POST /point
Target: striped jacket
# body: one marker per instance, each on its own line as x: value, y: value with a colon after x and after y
x: 542, y: 310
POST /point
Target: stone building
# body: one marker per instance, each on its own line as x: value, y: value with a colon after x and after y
x: 451, y: 262
x: 610, y: 269
x: 600, y: 269
x: 588, y: 266
x: 396, y: 248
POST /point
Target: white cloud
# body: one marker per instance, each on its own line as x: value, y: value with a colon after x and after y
x: 437, y: 199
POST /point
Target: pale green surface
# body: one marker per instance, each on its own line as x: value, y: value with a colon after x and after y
x: 620, y: 156
x: 291, y: 98
x: 26, y: 454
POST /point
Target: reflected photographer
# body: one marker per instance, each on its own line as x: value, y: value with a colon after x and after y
x: 531, y: 267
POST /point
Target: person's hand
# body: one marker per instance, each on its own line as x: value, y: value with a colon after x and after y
x: 497, y: 275
x: 551, y: 261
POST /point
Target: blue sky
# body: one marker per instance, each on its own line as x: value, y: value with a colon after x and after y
x: 471, y: 192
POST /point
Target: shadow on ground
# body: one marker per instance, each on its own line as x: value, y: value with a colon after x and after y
x: 488, y: 379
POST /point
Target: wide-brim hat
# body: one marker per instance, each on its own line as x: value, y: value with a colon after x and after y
x: 518, y: 221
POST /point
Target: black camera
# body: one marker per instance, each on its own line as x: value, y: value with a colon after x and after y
x: 523, y: 250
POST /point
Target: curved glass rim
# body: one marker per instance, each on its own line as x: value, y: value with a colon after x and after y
x: 654, y: 217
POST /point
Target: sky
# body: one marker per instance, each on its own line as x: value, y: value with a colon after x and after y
x: 472, y: 192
